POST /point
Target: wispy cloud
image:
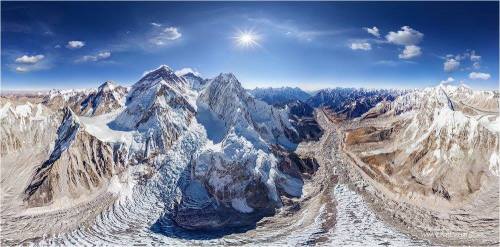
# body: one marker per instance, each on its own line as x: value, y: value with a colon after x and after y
x: 94, y: 58
x: 373, y: 31
x: 290, y: 29
x: 393, y: 63
x: 449, y: 80
x: 185, y: 71
x: 365, y: 46
x: 165, y: 35
x: 479, y: 76
x: 451, y: 64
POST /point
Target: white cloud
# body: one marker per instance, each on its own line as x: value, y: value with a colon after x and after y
x: 171, y: 33
x: 57, y: 46
x: 361, y: 46
x: 165, y: 36
x: 449, y: 80
x: 479, y: 75
x: 387, y: 63
x: 29, y: 59
x: 95, y: 58
x: 410, y: 51
x: 451, y: 64
x: 75, y: 44
x: 409, y: 38
x: 156, y: 24
x: 185, y: 71
x: 406, y: 36
x: 373, y: 31
x: 22, y: 69
x: 474, y: 57
x: 475, y: 60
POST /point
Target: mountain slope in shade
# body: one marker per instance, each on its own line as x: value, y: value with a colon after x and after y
x: 78, y: 165
x: 352, y: 102
x: 279, y: 96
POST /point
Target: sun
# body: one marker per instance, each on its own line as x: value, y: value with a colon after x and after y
x: 247, y: 39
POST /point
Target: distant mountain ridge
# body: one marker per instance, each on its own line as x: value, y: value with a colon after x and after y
x: 352, y: 102
x: 280, y: 95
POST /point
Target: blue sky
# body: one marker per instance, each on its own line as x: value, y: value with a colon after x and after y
x: 307, y: 44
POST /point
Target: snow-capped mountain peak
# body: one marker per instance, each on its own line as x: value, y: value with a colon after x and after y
x: 107, y: 86
x: 162, y: 73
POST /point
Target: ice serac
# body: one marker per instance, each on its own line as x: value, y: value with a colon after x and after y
x: 79, y: 165
x: 158, y: 105
x: 235, y: 178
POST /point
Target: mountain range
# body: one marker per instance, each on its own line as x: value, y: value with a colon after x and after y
x: 202, y: 154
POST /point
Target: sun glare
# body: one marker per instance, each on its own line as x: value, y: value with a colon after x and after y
x: 247, y: 39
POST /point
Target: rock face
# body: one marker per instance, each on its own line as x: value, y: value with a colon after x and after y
x: 279, y: 96
x: 430, y: 143
x: 352, y: 102
x: 78, y: 165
